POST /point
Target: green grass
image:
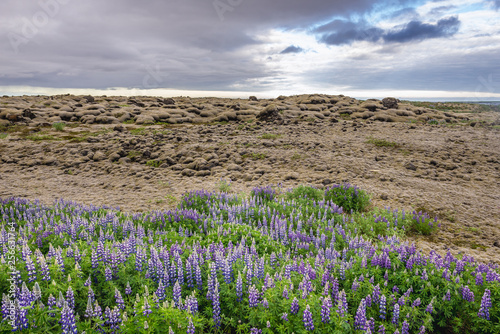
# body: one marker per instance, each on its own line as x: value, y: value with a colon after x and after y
x: 296, y: 156
x: 59, y: 126
x: 154, y: 163
x: 138, y: 132
x: 41, y: 137
x: 134, y: 154
x: 224, y: 186
x: 382, y: 142
x: 3, y: 135
x: 129, y: 121
x: 270, y: 136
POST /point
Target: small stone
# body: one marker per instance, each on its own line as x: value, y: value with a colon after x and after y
x: 384, y: 197
x: 98, y: 156
x: 410, y: 166
x: 253, y: 98
x: 119, y: 128
x: 292, y: 176
x: 496, y: 244
x: 114, y: 157
x: 235, y: 167
x: 188, y: 172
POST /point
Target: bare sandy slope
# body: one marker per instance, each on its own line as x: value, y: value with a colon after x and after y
x: 449, y: 171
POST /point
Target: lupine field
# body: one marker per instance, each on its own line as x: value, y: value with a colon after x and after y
x: 275, y: 261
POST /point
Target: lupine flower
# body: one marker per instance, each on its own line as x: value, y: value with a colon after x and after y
x: 308, y: 320
x: 381, y: 329
x: 68, y: 320
x: 360, y: 318
x: 89, y: 312
x: 253, y: 296
x: 467, y: 294
x: 325, y: 310
x: 190, y: 329
x: 146, y: 309
x: 395, y: 315
x: 429, y: 308
x: 294, y: 308
x: 284, y: 316
x: 255, y: 330
x: 70, y: 298
x: 342, y: 304
x: 108, y: 274
x: 239, y: 288
x: 119, y: 299
x: 382, y: 307
x: 128, y: 289
x: 484, y: 311
x: 406, y: 328
x: 265, y: 303
x: 216, y: 306
x: 177, y: 294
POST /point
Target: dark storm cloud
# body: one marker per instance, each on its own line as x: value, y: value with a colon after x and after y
x: 292, y: 49
x: 345, y: 32
x: 417, y: 30
x: 70, y: 43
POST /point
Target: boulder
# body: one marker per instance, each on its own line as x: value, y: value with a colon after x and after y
x: 390, y: 103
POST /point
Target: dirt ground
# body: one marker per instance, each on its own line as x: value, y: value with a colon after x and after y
x: 450, y: 169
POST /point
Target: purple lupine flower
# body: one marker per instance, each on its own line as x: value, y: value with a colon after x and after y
x: 484, y: 311
x: 294, y: 308
x: 97, y: 311
x: 308, y: 320
x: 371, y: 325
x: 239, y: 288
x: 87, y: 282
x: 284, y: 316
x: 416, y: 303
x: 467, y: 294
x: 429, y: 308
x: 70, y: 298
x: 253, y: 296
x: 160, y: 292
x: 382, y: 307
x: 479, y: 278
x: 119, y: 300
x: 342, y: 304
x: 285, y: 293
x: 265, y: 303
x: 325, y: 309
x: 128, y: 289
x: 447, y: 296
x: 381, y: 329
x: 360, y: 318
x: 406, y: 328
x: 190, y: 328
x: 192, y: 304
x: 146, y: 309
x: 89, y: 312
x: 30, y: 267
x: 199, y: 281
x: 368, y: 300
x: 68, y: 320
x: 177, y: 293
x: 216, y: 306
x: 255, y: 330
x: 108, y: 274
x: 395, y: 315
x: 422, y: 330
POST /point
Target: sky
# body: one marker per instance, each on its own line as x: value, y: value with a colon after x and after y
x: 235, y: 48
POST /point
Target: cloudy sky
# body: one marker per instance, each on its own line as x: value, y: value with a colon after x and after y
x: 361, y: 48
